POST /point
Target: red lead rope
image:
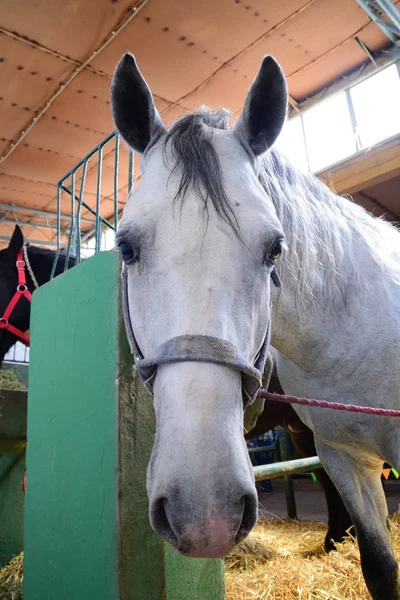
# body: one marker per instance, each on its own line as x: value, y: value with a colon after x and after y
x: 22, y: 290
x: 368, y: 410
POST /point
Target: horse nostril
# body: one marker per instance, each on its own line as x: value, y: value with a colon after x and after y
x: 160, y: 521
x: 249, y: 517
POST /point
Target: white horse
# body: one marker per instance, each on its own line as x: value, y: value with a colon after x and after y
x: 200, y: 236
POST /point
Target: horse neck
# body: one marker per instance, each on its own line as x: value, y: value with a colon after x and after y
x: 42, y: 264
x: 331, y: 267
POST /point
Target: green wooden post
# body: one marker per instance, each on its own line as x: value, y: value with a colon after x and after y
x: 284, y: 447
x: 90, y: 432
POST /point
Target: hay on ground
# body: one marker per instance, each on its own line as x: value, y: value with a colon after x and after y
x: 285, y: 560
x: 9, y: 380
x: 11, y: 578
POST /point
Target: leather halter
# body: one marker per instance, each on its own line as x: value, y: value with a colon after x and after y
x: 22, y: 290
x: 196, y: 348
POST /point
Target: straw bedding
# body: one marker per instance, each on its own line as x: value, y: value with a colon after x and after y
x: 285, y: 560
x: 9, y: 381
x: 280, y: 560
x: 11, y: 577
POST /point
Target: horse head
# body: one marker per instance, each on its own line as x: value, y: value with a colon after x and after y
x: 199, y: 238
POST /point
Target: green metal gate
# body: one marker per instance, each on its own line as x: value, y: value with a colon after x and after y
x: 73, y: 189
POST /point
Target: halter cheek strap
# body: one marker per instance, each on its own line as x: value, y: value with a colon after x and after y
x: 196, y: 348
x: 21, y: 291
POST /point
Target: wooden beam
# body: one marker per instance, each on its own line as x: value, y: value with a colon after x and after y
x: 365, y: 169
x: 294, y: 104
x: 378, y: 204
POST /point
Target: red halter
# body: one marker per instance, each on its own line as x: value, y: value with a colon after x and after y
x: 22, y: 290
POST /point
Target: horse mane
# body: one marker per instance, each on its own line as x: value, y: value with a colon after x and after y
x: 198, y: 161
x: 324, y: 228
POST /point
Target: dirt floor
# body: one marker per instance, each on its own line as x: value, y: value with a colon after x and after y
x: 310, y: 500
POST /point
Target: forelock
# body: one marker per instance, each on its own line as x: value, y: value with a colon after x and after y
x: 190, y: 142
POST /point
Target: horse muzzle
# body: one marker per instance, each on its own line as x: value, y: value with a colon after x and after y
x: 208, y: 531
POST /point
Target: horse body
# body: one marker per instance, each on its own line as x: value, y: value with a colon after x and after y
x: 336, y: 328
x: 334, y: 335
x: 341, y: 354
x: 200, y: 237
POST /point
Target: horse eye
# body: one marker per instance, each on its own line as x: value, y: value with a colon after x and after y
x: 275, y: 251
x: 127, y: 253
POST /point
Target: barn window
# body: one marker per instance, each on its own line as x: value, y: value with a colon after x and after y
x: 292, y: 144
x: 333, y: 130
x: 376, y: 104
x: 329, y: 132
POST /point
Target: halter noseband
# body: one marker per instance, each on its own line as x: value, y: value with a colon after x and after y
x: 22, y: 290
x: 197, y: 348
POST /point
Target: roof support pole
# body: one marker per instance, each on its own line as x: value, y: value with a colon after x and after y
x: 34, y: 211
x: 391, y: 11
x: 374, y: 8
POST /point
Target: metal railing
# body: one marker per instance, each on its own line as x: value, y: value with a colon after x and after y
x: 282, y: 464
x: 286, y: 468
x: 92, y: 209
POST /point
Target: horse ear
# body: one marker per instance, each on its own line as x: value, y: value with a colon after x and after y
x: 17, y: 241
x: 133, y: 109
x: 265, y: 108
